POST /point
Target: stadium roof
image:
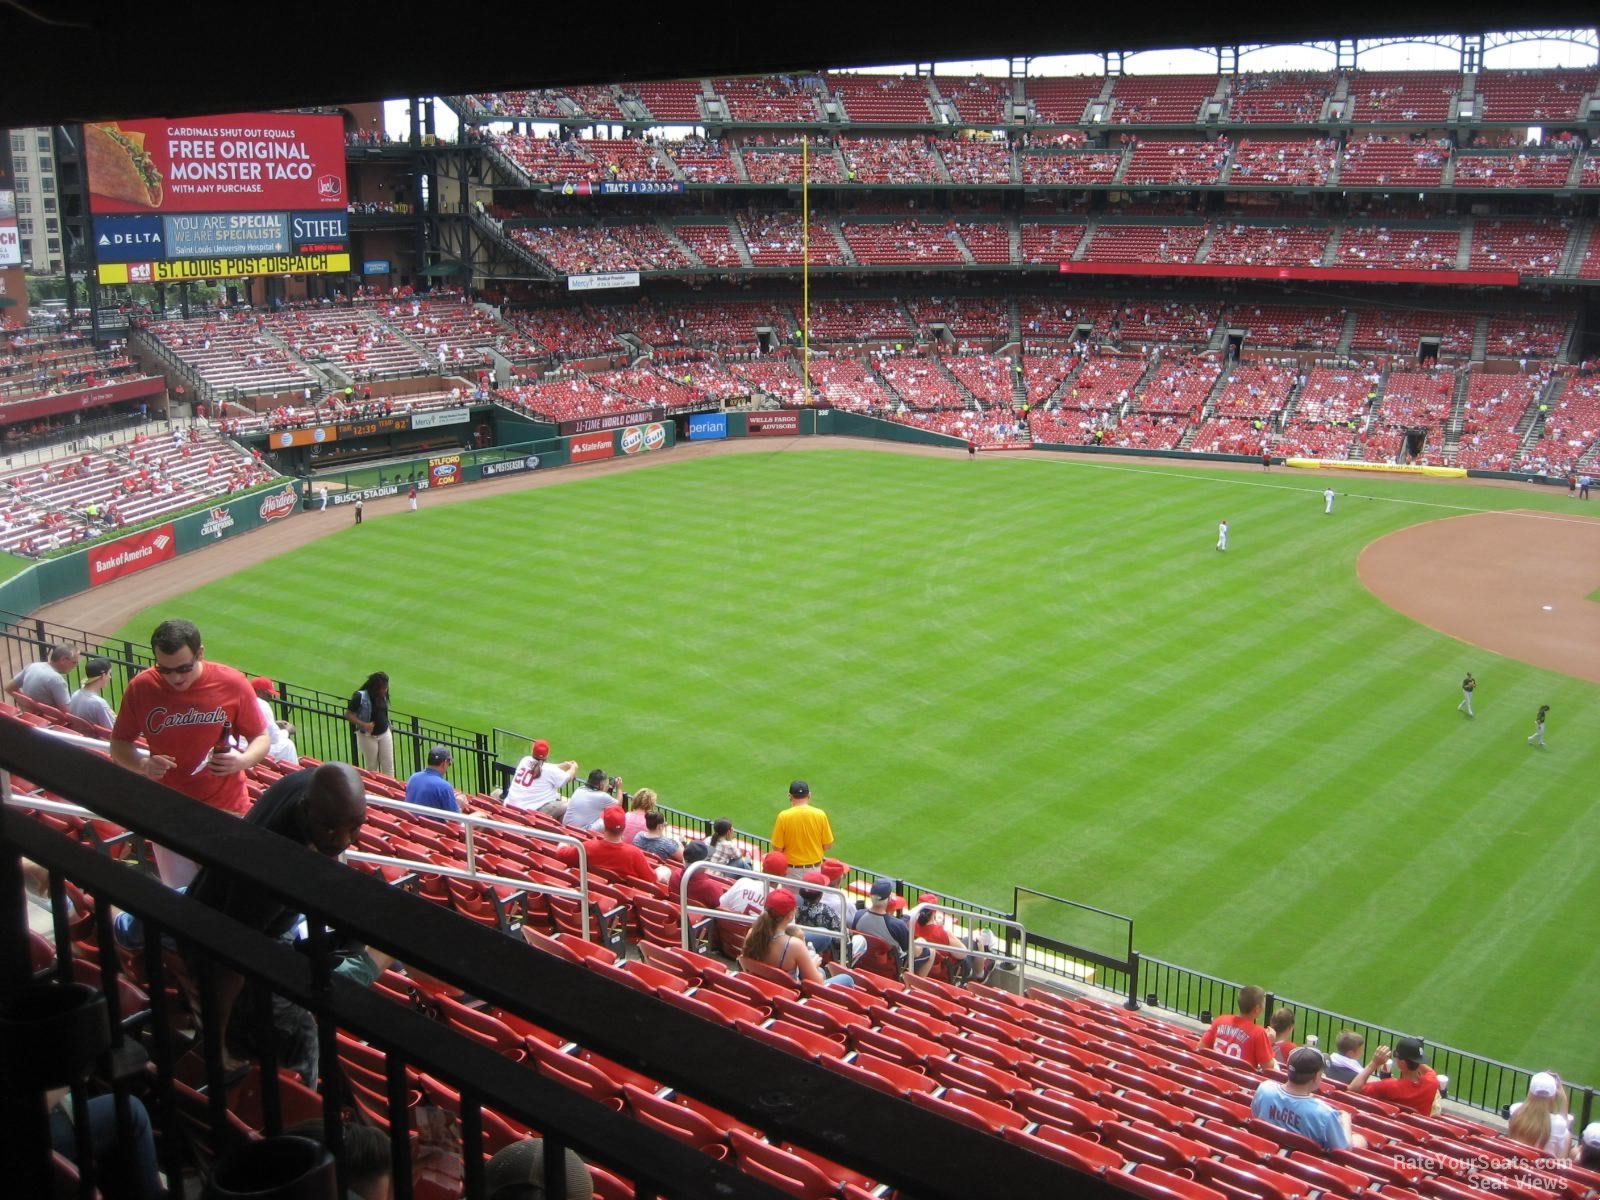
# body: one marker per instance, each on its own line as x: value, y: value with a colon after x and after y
x: 138, y: 60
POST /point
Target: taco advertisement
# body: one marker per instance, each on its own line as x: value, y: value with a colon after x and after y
x: 244, y: 161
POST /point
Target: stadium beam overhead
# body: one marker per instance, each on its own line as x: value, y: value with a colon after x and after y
x: 93, y: 63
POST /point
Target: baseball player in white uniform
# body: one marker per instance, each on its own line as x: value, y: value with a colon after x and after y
x: 1222, y: 536
x: 1327, y: 498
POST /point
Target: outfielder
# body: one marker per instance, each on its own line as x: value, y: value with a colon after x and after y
x: 1467, y: 686
x: 1538, y: 727
x: 1222, y: 536
x: 1327, y: 498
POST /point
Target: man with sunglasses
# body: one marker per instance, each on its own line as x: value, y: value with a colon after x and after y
x: 181, y: 707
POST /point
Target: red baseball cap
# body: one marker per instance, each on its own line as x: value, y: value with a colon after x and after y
x: 781, y: 903
x: 775, y: 863
x: 541, y: 749
x: 262, y: 686
x: 614, y: 818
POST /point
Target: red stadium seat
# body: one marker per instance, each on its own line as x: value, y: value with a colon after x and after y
x: 1157, y: 1184
x: 1075, y: 1150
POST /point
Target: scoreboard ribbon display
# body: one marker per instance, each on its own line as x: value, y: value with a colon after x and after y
x: 223, y: 268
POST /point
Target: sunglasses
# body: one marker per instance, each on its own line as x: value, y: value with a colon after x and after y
x: 180, y: 669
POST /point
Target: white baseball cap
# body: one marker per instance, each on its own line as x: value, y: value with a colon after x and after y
x: 1544, y: 1084
x: 1591, y: 1135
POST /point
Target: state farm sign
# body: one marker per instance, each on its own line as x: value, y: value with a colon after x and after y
x: 592, y: 446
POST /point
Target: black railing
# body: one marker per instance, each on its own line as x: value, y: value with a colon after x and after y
x: 1475, y: 1081
x: 788, y: 1096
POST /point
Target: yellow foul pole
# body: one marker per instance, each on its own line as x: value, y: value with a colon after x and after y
x: 805, y: 268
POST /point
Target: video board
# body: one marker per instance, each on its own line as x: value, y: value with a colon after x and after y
x: 213, y: 197
x: 10, y: 241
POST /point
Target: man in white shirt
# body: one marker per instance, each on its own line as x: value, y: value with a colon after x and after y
x: 591, y: 800
x: 282, y: 748
x: 46, y: 682
x: 536, y: 784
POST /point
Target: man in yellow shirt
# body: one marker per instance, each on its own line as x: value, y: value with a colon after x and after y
x: 802, y: 831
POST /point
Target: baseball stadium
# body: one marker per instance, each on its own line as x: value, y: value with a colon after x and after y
x: 1129, y: 509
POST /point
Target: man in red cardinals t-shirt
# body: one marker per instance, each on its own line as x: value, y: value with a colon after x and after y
x: 181, y: 707
x: 1240, y: 1036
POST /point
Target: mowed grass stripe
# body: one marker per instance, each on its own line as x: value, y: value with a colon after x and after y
x: 1028, y: 671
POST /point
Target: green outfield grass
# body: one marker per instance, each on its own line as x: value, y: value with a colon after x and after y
x: 1032, y: 672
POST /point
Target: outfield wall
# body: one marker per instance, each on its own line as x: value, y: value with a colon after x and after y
x: 53, y: 579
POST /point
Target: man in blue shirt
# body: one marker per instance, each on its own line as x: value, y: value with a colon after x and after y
x: 430, y: 787
x: 1295, y: 1107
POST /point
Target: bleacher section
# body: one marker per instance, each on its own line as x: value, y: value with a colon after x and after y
x: 233, y: 354
x: 703, y: 160
x: 1146, y: 243
x: 766, y: 99
x: 848, y: 383
x: 1306, y: 162
x: 586, y: 249
x: 1513, y: 170
x: 1571, y: 430
x: 1383, y: 248
x: 584, y: 160
x: 32, y: 366
x: 1400, y: 332
x: 882, y: 99
x: 980, y: 103
x: 1287, y: 325
x: 712, y: 244
x: 989, y: 242
x: 976, y: 161
x: 1491, y: 418
x: 965, y: 317
x: 673, y: 100
x: 987, y: 376
x: 1408, y: 97
x: 85, y: 495
x: 1378, y: 161
x: 1537, y: 97
x: 900, y: 242
x: 1268, y: 245
x: 1069, y: 167
x: 1529, y: 247
x: 1160, y: 99
x: 890, y: 160
x: 1176, y: 163
x: 1062, y: 100
x: 1050, y: 243
x: 775, y: 240
x: 858, y: 321
x: 1288, y: 97
x: 921, y: 382
x: 774, y: 162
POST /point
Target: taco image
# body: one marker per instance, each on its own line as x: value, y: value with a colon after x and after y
x: 119, y: 167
